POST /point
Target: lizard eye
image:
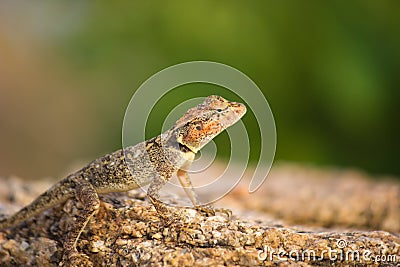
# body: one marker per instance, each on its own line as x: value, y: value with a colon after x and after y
x: 198, y: 127
x: 219, y: 110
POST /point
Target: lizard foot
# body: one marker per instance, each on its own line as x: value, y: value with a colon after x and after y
x: 3, y: 218
x: 174, y: 217
x: 77, y: 259
x: 168, y: 215
x: 210, y: 211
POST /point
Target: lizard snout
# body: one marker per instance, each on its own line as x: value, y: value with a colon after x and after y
x: 239, y: 108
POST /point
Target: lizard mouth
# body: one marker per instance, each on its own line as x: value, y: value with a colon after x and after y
x: 185, y: 148
x: 239, y: 108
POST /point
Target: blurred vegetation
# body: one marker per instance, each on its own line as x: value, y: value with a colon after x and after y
x: 330, y: 71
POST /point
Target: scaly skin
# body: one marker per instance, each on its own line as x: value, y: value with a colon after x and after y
x: 151, y: 162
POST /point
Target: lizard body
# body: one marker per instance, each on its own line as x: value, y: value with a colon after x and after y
x: 152, y: 162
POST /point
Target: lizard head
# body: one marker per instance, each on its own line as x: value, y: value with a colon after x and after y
x: 202, y: 123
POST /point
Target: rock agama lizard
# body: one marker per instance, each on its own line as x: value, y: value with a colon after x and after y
x: 152, y: 162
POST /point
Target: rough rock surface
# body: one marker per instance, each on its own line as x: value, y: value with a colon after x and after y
x: 128, y: 232
x: 320, y: 197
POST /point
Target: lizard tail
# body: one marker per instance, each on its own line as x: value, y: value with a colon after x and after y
x: 57, y: 194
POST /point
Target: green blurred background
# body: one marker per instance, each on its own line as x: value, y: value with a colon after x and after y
x: 330, y: 71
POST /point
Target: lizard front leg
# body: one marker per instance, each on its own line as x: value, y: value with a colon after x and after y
x: 153, y: 193
x: 167, y: 213
x: 188, y: 187
x: 87, y: 195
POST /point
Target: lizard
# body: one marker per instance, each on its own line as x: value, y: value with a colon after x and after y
x: 152, y: 162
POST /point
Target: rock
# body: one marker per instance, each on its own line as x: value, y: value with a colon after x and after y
x: 328, y: 198
x: 128, y: 232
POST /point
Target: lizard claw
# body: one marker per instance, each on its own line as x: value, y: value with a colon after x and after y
x: 210, y: 211
x: 206, y: 210
x: 167, y: 214
x: 77, y: 259
x: 3, y: 218
x: 174, y: 218
x: 227, y: 212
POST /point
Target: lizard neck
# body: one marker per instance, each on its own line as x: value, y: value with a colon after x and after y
x: 184, y: 148
x: 170, y: 141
